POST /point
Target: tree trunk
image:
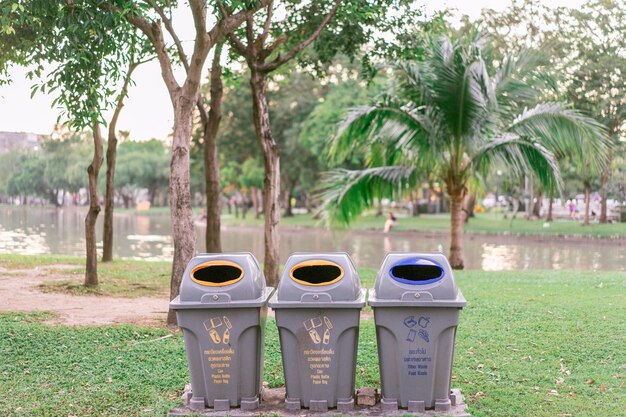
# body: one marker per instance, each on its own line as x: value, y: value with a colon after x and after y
x: 469, y: 202
x: 254, y: 196
x: 183, y: 232
x: 152, y: 191
x: 604, y: 179
x: 271, y: 183
x: 549, y: 217
x: 456, y: 228
x: 107, y: 237
x: 213, y: 240
x: 126, y: 200
x: 587, y: 185
x: 91, y: 268
x: 288, y: 211
x: 307, y: 202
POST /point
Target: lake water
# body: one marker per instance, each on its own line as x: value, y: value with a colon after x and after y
x: 61, y: 231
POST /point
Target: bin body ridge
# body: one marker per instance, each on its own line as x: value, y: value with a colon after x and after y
x: 222, y: 312
x: 316, y: 370
x: 416, y: 308
x: 317, y: 308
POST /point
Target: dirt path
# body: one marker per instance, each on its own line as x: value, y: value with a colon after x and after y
x: 19, y: 292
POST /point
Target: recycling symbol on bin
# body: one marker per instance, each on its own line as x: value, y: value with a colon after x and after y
x: 217, y: 333
x: 422, y: 322
x: 317, y: 325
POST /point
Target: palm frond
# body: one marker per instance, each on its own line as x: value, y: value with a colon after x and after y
x: 517, y: 80
x: 403, y: 126
x: 456, y: 86
x: 346, y: 193
x: 522, y: 156
x: 565, y: 132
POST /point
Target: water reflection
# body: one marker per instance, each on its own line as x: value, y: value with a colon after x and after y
x: 38, y: 231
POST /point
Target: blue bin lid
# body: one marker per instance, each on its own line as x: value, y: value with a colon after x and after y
x: 416, y: 279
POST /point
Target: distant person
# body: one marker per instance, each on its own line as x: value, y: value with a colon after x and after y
x: 390, y: 222
x: 572, y: 209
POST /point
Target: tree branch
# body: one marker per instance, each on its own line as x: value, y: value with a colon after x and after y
x: 281, y: 59
x: 167, y: 21
x: 120, y: 99
x: 153, y: 32
x: 267, y: 25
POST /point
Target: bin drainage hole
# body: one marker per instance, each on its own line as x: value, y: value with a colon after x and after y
x: 416, y: 274
x: 217, y: 274
x: 317, y: 274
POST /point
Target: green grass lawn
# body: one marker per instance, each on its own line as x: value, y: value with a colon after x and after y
x: 529, y: 343
x: 492, y: 223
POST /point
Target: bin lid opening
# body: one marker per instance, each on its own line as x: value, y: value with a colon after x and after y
x: 416, y: 271
x: 217, y: 273
x: 316, y: 272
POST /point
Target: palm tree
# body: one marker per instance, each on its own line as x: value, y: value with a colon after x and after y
x: 447, y: 116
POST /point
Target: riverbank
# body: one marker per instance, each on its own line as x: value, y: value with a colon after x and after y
x: 483, y: 223
x: 529, y: 344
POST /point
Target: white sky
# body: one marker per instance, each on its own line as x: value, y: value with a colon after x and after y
x: 148, y: 113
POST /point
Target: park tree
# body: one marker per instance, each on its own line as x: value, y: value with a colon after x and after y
x: 252, y: 180
x: 596, y: 69
x: 588, y: 58
x: 64, y: 155
x: 76, y: 52
x: 27, y: 177
x: 143, y: 165
x: 184, y: 98
x: 139, y: 55
x: 270, y: 41
x: 449, y: 114
x: 112, y: 23
x: 210, y: 119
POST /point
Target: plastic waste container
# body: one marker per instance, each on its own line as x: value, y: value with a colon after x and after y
x: 416, y: 307
x: 317, y: 306
x: 221, y: 310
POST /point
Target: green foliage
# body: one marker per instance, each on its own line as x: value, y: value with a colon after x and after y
x: 66, y: 161
x: 587, y: 56
x: 84, y: 44
x: 141, y: 165
x: 251, y: 174
x: 451, y: 116
x: 28, y: 175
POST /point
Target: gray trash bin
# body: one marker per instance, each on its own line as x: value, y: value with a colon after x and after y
x: 221, y: 310
x: 317, y: 306
x: 416, y: 310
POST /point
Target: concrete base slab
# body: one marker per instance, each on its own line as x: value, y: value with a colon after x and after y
x: 456, y: 407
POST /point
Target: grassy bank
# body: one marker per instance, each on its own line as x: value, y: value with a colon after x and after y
x: 491, y: 223
x: 120, y: 278
x: 530, y: 343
